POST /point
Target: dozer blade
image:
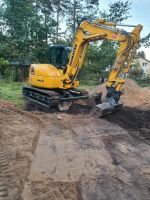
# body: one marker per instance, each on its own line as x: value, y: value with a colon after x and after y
x: 105, y: 108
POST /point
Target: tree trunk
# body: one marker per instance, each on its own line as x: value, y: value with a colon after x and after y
x: 74, y: 17
x: 45, y: 24
x: 57, y: 28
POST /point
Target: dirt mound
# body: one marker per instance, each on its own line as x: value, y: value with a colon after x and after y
x: 133, y: 95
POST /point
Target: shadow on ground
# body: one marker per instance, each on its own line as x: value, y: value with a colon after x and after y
x: 134, y: 120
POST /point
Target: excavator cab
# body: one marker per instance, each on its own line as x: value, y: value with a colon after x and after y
x: 58, y: 56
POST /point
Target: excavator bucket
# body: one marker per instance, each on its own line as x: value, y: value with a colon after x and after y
x: 105, y: 108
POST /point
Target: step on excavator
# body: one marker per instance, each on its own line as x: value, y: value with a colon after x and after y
x: 55, y: 84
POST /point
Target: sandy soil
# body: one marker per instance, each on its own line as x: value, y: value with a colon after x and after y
x: 134, y: 95
x: 73, y: 156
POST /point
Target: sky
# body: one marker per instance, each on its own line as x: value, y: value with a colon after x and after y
x: 140, y: 14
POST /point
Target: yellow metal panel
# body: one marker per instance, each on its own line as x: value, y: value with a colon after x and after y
x: 46, y: 70
x: 45, y: 76
x: 45, y: 82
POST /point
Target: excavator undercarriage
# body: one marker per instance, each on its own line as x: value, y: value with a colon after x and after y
x: 60, y: 99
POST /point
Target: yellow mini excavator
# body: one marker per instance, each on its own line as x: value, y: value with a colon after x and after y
x: 55, y: 84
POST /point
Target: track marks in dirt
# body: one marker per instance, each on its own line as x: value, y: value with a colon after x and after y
x: 19, y: 132
x: 135, y: 120
x: 3, y: 171
x: 55, y: 190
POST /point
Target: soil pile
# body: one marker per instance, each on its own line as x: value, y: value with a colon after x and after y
x: 133, y: 95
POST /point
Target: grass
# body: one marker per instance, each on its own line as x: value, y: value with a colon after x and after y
x: 87, y: 84
x: 11, y: 91
x: 87, y: 87
x: 144, y: 84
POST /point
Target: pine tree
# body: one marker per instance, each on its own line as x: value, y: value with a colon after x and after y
x: 90, y: 9
x: 141, y: 54
x: 18, y: 15
x: 78, y: 10
x: 145, y: 41
x: 60, y: 8
x: 45, y: 11
x: 117, y: 12
x: 30, y: 27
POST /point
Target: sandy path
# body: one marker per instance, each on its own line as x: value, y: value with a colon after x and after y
x: 65, y: 156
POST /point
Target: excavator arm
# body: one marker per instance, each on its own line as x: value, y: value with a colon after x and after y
x: 88, y: 32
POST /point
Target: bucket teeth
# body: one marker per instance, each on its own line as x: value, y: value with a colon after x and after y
x: 105, y: 108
